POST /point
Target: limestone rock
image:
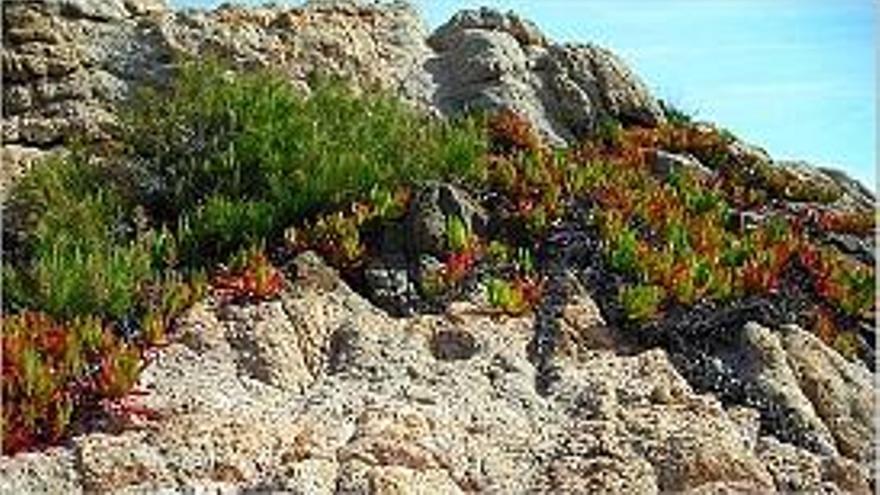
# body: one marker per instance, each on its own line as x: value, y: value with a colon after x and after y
x: 523, y: 31
x: 748, y: 421
x: 51, y: 471
x: 854, y: 192
x: 852, y: 196
x: 15, y: 161
x: 757, y: 360
x: 687, y: 440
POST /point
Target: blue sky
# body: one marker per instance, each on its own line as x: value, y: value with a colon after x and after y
x: 794, y: 76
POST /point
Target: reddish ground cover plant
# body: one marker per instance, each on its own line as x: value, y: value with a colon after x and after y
x: 53, y: 373
x: 681, y: 235
x: 337, y: 235
x: 509, y: 132
x: 252, y: 277
x: 848, y: 222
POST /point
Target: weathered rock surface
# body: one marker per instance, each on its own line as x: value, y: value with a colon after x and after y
x: 487, y: 60
x: 799, y: 471
x: 852, y: 196
x: 842, y: 392
x: 319, y: 392
x: 761, y: 359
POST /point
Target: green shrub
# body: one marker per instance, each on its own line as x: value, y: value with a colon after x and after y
x: 77, y: 255
x: 68, y: 281
x: 63, y: 196
x: 253, y: 138
x: 222, y: 226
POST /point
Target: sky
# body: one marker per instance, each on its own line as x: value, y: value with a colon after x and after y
x: 797, y: 77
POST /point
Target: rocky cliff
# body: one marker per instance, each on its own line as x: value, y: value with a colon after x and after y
x: 67, y: 63
x: 321, y: 391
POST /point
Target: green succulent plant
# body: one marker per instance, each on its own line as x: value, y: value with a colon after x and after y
x: 641, y: 302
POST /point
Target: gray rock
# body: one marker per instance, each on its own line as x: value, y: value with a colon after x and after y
x: 389, y: 283
x: 665, y: 164
x: 842, y: 392
x: 432, y: 205
x: 639, y: 410
x: 809, y: 174
x: 489, y: 61
x: 98, y: 10
x: 852, y: 196
x: 748, y: 421
x: 522, y: 30
x: 15, y: 161
x: 614, y: 90
x: 854, y: 191
x: 51, y: 471
x: 758, y: 358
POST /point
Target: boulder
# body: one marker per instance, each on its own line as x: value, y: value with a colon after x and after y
x: 841, y: 392
x: 851, y: 195
x: 523, y: 31
x: 753, y: 370
x: 15, y: 161
x: 639, y: 412
x: 665, y: 164
x: 855, y: 194
x: 390, y: 285
x: 51, y: 471
x: 489, y: 61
